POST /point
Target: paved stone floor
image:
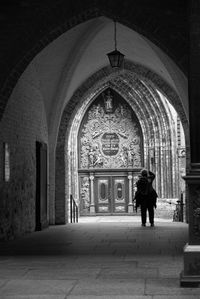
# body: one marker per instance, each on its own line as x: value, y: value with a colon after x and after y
x: 100, y: 257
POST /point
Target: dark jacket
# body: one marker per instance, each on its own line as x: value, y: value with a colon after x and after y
x: 145, y: 194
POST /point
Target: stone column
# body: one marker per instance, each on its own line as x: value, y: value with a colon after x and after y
x: 130, y: 185
x: 190, y: 277
x: 92, y: 205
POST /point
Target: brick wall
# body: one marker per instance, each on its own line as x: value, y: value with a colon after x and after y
x: 23, y: 123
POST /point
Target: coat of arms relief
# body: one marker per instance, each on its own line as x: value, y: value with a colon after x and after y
x: 110, y: 138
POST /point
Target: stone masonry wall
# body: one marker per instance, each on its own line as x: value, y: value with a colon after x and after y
x: 23, y: 123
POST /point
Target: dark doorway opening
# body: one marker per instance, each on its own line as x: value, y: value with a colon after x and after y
x: 41, y: 220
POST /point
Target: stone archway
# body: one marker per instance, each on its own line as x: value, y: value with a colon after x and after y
x: 48, y: 31
x: 49, y: 27
x: 137, y: 75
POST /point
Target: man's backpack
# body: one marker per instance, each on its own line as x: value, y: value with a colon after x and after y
x: 143, y: 186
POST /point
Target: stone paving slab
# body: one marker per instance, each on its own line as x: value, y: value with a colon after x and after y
x: 153, y: 259
x: 2, y: 283
x: 37, y: 287
x: 176, y: 297
x: 12, y: 273
x: 33, y: 297
x: 97, y: 297
x: 21, y: 266
x: 111, y: 287
x: 168, y: 286
x: 90, y: 259
x: 128, y: 273
x: 132, y: 297
x: 108, y: 297
x: 68, y: 273
x: 170, y: 272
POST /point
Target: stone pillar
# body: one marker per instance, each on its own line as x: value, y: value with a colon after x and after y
x: 92, y: 205
x: 130, y: 185
x: 190, y: 277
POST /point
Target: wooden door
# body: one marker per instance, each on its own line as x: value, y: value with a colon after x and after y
x: 102, y: 200
x: 111, y: 195
x: 120, y: 195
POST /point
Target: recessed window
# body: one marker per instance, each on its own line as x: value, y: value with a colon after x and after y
x: 6, y: 162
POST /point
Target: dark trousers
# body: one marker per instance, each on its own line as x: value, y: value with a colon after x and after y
x: 144, y: 209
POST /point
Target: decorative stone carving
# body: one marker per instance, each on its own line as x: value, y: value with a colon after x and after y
x: 85, y: 195
x: 108, y: 101
x: 110, y: 138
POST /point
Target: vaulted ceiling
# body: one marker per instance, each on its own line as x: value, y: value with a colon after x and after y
x: 66, y: 42
x: 81, y: 33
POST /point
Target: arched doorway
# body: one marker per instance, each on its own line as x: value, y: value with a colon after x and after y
x: 110, y: 149
x: 155, y: 116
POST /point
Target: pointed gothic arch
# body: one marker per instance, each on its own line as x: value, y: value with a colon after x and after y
x: 71, y: 17
x: 133, y: 82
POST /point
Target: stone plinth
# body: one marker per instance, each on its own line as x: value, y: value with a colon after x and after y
x: 190, y: 277
x: 92, y: 209
x: 130, y: 208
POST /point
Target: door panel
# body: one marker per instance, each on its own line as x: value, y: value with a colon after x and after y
x: 119, y: 190
x: 112, y: 195
x: 103, y: 188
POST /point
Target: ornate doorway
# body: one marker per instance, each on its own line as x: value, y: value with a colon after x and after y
x: 111, y: 194
x: 110, y: 152
x: 152, y: 117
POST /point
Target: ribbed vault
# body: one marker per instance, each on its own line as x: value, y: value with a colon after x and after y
x: 155, y: 118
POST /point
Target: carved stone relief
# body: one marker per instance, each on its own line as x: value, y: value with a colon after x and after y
x: 85, y: 193
x: 110, y: 138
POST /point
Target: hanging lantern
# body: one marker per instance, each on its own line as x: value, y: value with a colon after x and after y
x: 115, y: 57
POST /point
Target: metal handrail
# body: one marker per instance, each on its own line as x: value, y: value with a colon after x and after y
x: 73, y: 210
